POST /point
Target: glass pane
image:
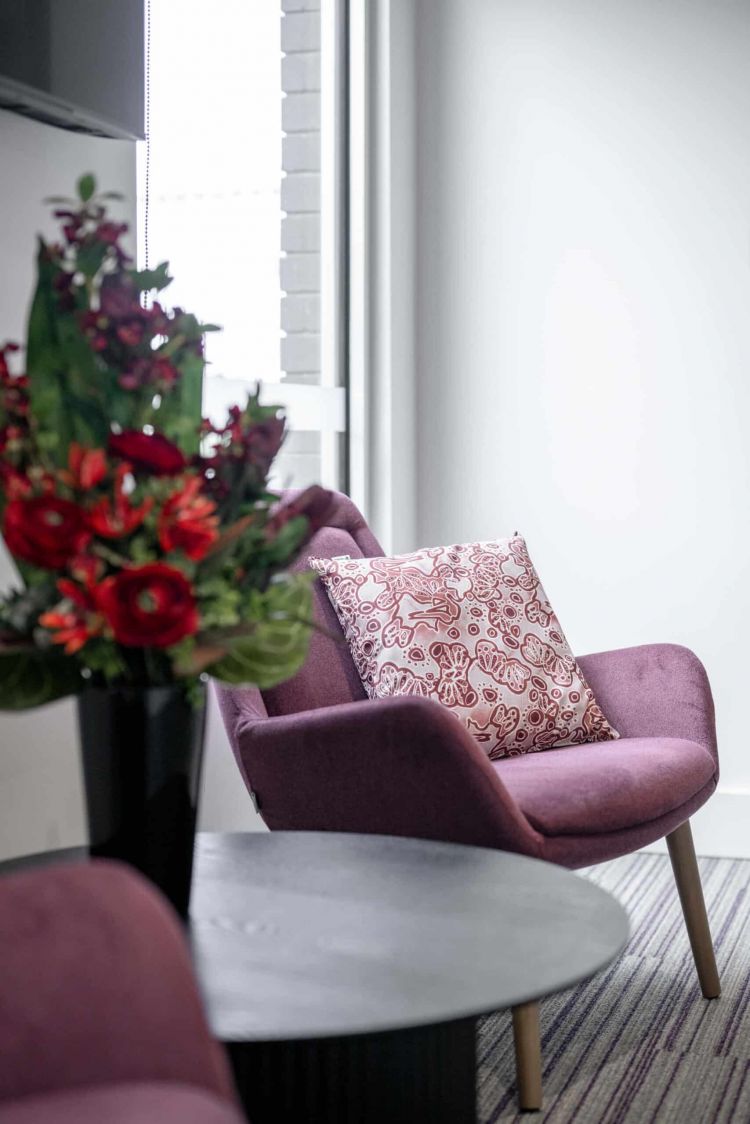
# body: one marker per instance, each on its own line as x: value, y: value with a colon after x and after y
x: 233, y: 180
x: 215, y: 159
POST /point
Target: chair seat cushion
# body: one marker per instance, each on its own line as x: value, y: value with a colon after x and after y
x: 609, y: 786
x: 152, y: 1102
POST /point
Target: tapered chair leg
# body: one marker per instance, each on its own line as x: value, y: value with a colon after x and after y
x: 527, y: 1041
x: 685, y: 867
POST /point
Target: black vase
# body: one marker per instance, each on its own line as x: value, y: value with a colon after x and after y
x: 142, y: 750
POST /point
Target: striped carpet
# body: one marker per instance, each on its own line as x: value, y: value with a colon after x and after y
x: 639, y: 1044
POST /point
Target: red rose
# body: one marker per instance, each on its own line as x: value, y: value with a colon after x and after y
x: 147, y: 452
x: 45, y: 531
x: 149, y: 606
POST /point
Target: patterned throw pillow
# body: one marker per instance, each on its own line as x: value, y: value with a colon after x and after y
x: 471, y: 627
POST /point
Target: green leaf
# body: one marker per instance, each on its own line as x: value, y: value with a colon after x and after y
x: 179, y: 416
x: 28, y: 680
x: 277, y: 646
x: 47, y: 387
x: 146, y: 279
x: 90, y: 258
x: 86, y: 187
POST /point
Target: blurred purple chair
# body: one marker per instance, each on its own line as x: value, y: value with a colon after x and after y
x: 100, y: 1018
x: 316, y: 755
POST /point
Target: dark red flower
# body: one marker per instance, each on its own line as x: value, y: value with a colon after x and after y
x: 118, y: 298
x: 136, y: 375
x: 130, y: 332
x: 159, y: 373
x: 187, y: 522
x: 164, y: 373
x: 262, y: 442
x: 150, y: 606
x: 158, y: 319
x: 314, y: 504
x: 109, y: 232
x: 45, y: 531
x: 16, y: 485
x: 147, y: 452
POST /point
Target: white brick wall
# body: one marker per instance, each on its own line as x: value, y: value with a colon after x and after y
x: 300, y: 194
x: 301, y: 234
x: 300, y: 273
x: 300, y: 31
x: 301, y: 313
x: 300, y: 5
x: 300, y: 72
x: 300, y: 113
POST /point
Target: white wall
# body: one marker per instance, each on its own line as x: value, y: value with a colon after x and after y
x: 40, y: 788
x: 583, y: 322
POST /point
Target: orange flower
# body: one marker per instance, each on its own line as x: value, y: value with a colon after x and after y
x: 77, y: 622
x: 116, y: 520
x: 187, y: 522
x: 86, y: 467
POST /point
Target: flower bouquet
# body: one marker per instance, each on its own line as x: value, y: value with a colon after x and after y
x: 149, y: 547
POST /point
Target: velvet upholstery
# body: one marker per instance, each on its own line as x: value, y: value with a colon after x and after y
x: 605, y: 786
x: 133, y: 1103
x: 97, y: 993
x: 319, y: 756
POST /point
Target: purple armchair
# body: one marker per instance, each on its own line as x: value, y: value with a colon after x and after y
x: 100, y: 1018
x: 316, y: 755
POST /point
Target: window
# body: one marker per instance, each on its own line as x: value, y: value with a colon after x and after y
x: 234, y: 188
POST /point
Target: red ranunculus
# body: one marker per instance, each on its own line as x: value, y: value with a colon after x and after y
x: 147, y: 452
x: 187, y: 522
x: 45, y: 531
x: 150, y: 606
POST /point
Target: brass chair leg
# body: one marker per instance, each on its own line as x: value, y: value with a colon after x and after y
x: 527, y: 1041
x: 685, y: 868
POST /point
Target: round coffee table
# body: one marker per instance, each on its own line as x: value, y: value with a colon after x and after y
x: 345, y: 973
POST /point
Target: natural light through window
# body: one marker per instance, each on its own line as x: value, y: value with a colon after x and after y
x: 214, y: 182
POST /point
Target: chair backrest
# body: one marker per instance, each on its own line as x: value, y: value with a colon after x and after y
x: 329, y: 675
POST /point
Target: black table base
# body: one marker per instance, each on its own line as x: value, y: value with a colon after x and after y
x: 396, y: 1077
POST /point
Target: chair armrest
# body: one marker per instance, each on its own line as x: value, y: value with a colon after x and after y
x: 656, y: 690
x: 396, y: 766
x: 96, y: 986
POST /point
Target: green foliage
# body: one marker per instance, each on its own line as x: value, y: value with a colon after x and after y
x: 35, y: 677
x: 148, y: 279
x: 279, y: 620
x: 180, y: 411
x: 64, y: 377
x: 86, y: 187
x: 96, y: 490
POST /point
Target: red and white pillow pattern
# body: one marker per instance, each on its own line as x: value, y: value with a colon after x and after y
x: 471, y: 627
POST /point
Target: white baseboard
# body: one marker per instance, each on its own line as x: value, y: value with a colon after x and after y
x: 721, y: 827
